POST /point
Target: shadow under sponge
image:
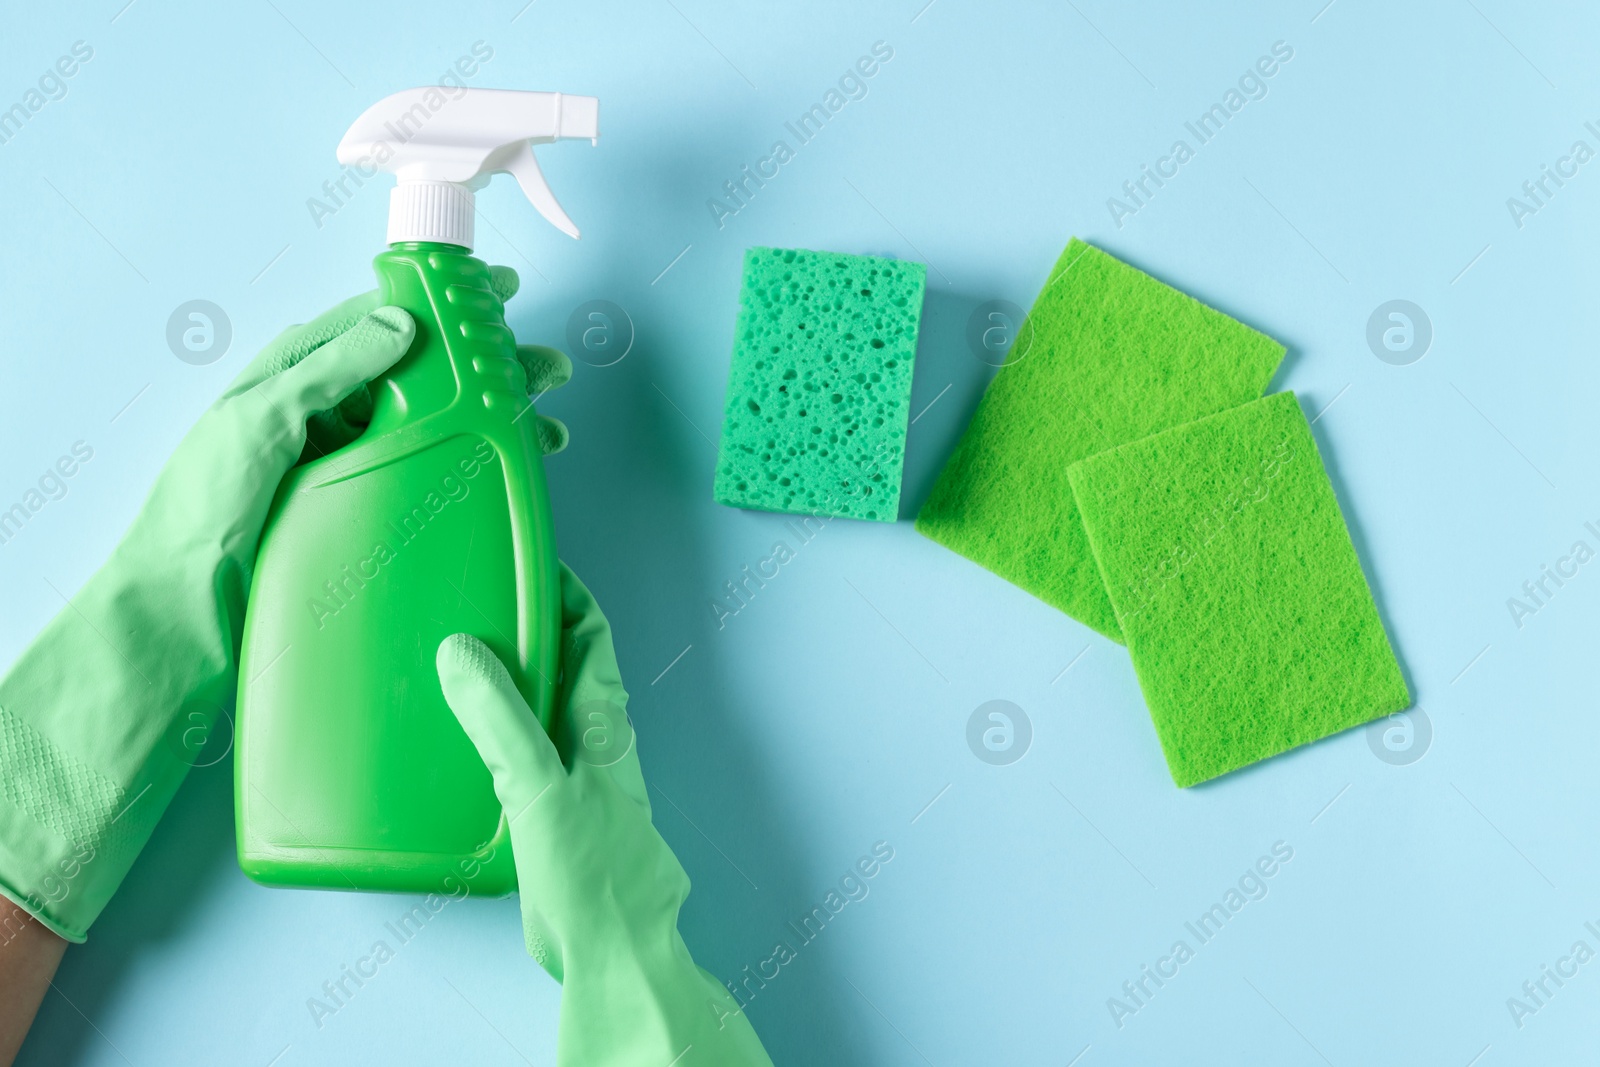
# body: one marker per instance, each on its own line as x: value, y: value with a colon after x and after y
x: 1251, y: 627
x: 820, y: 387
x: 1108, y: 355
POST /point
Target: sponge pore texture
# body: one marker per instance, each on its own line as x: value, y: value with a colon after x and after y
x: 820, y: 385
x: 1109, y: 355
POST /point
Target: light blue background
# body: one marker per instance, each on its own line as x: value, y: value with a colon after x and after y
x: 823, y: 717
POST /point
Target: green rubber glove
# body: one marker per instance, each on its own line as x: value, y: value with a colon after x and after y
x: 94, y: 714
x: 99, y: 716
x: 545, y: 368
x: 600, y: 889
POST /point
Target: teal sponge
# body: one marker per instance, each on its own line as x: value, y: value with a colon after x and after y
x: 1225, y: 555
x: 820, y: 387
x: 1112, y: 356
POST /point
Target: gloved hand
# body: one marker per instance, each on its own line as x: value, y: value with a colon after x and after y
x: 600, y: 889
x: 87, y: 759
x: 98, y: 714
x: 545, y: 368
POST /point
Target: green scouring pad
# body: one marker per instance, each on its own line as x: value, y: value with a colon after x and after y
x: 1111, y: 355
x: 819, y: 391
x: 1226, y: 557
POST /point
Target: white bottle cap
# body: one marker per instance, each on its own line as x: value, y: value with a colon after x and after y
x: 443, y: 144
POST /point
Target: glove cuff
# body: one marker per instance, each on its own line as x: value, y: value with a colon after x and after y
x: 66, y: 837
x: 96, y: 736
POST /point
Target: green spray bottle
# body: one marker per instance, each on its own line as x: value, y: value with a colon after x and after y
x: 350, y: 770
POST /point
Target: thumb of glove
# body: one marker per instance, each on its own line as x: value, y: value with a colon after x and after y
x: 330, y: 373
x: 505, y: 730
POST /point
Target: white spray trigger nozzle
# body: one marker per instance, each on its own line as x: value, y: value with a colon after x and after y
x: 442, y: 144
x: 521, y: 165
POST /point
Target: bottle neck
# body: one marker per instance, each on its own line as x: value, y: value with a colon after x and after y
x: 430, y: 246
